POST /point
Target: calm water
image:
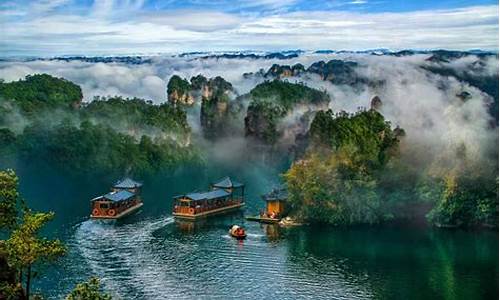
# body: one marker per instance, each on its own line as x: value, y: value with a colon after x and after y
x: 151, y: 256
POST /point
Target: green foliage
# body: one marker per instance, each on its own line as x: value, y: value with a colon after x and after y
x: 466, y: 200
x: 286, y: 94
x: 99, y: 138
x: 8, y: 199
x: 264, y: 116
x: 220, y: 87
x: 100, y: 150
x: 320, y: 191
x: 179, y: 85
x: 215, y: 107
x: 7, y: 138
x: 367, y: 132
x: 88, y: 291
x: 25, y: 247
x: 198, y: 82
x: 338, y: 182
x: 136, y: 115
x: 271, y: 101
x: 41, y: 91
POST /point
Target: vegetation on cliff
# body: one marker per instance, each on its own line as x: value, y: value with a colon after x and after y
x: 215, y: 106
x: 336, y: 182
x: 40, y: 92
x: 178, y: 91
x: 108, y: 137
x: 352, y: 173
x: 271, y: 101
x: 464, y: 199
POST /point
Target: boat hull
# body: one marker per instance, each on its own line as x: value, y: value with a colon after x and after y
x: 239, y: 237
x: 121, y: 214
x: 209, y: 213
x: 263, y: 220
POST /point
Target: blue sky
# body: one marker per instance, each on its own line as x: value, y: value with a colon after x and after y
x: 56, y: 27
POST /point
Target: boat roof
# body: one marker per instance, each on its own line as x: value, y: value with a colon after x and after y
x: 116, y: 196
x: 127, y: 183
x: 226, y: 183
x: 280, y: 193
x: 214, y: 194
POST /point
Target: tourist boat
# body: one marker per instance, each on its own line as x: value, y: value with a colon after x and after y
x: 123, y: 200
x: 237, y: 232
x: 275, y: 206
x: 224, y: 196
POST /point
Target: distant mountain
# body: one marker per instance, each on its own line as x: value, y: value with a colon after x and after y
x: 130, y: 60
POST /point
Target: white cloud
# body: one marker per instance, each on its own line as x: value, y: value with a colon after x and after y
x: 128, y: 29
x: 425, y: 105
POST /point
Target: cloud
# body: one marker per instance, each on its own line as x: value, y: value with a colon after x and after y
x: 113, y: 27
x: 357, y: 2
x: 436, y: 121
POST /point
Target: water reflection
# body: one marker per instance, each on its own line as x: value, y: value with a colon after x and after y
x: 163, y: 258
x: 403, y: 263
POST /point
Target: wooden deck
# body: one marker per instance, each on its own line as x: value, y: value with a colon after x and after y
x: 209, y: 213
x: 120, y: 215
x: 262, y: 220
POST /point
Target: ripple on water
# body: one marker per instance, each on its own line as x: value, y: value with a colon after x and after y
x: 151, y: 259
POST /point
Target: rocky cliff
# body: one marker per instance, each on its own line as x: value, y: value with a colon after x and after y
x: 273, y: 103
x: 179, y: 91
x: 215, y: 101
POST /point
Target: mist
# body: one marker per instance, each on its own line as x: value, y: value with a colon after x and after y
x: 437, y: 122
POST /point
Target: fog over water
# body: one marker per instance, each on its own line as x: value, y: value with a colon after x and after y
x: 150, y: 256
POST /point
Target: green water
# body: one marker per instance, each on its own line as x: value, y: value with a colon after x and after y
x: 151, y: 256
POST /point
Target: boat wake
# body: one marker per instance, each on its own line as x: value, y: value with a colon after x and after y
x: 122, y: 256
x: 151, y: 260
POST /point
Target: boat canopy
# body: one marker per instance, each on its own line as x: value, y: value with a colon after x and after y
x: 127, y: 183
x: 116, y: 196
x: 217, y: 193
x: 226, y: 183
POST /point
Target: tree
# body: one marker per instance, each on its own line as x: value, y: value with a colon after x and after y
x: 25, y: 248
x: 8, y: 199
x: 338, y: 181
x: 88, y: 291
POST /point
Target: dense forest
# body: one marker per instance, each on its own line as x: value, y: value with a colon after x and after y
x: 349, y: 170
x: 352, y: 174
x: 44, y: 121
x: 271, y: 101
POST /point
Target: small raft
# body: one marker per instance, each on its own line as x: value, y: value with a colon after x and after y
x: 237, y: 232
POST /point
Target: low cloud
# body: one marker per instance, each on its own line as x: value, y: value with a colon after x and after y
x: 426, y: 105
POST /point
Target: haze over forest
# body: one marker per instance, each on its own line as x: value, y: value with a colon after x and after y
x: 377, y: 120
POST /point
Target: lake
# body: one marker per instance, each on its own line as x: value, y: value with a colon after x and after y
x: 150, y: 255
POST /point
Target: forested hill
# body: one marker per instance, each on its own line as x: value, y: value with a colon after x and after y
x: 352, y: 173
x: 349, y: 168
x: 42, y: 120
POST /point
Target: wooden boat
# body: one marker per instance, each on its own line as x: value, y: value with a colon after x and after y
x: 275, y: 206
x: 237, y: 232
x: 123, y: 200
x: 225, y: 196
